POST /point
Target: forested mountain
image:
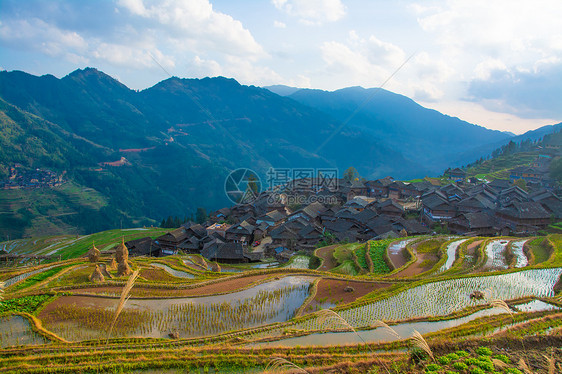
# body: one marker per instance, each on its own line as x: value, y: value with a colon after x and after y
x: 425, y: 135
x: 167, y: 149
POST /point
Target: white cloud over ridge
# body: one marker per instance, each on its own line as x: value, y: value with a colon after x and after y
x: 312, y: 12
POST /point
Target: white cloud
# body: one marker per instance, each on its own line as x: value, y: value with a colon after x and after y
x: 312, y: 12
x: 279, y: 24
x: 37, y: 34
x: 484, y: 69
x: 494, y: 29
x: 351, y: 66
x: 196, y: 22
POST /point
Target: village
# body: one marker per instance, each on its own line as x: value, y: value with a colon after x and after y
x: 307, y: 213
x: 21, y: 177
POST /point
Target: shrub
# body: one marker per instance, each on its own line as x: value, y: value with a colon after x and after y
x: 476, y: 370
x: 513, y: 371
x: 452, y: 356
x: 487, y: 366
x: 443, y: 360
x: 432, y: 367
x: 484, y: 351
x: 471, y: 361
x: 460, y: 366
x: 462, y: 353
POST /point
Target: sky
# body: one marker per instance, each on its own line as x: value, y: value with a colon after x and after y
x: 495, y: 63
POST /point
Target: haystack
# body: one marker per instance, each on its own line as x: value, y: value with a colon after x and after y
x: 122, y: 253
x: 111, y: 265
x: 94, y: 254
x: 97, y: 276
x: 123, y: 269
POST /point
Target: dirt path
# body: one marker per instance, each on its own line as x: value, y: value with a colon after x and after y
x: 327, y: 256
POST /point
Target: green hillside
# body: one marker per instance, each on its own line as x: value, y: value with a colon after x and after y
x: 73, y: 246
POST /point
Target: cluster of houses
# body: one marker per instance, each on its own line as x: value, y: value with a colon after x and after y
x: 24, y: 178
x: 305, y: 215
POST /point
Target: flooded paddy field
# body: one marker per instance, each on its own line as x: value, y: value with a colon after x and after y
x: 495, y: 254
x: 451, y: 252
x: 16, y: 331
x: 86, y: 317
x: 401, y: 330
x: 445, y: 297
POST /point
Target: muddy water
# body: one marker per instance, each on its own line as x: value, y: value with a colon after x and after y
x: 451, y: 254
x: 16, y: 330
x: 401, y: 331
x: 395, y: 252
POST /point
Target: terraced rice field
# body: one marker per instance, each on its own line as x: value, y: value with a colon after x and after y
x: 445, y: 297
x: 517, y: 248
x: 451, y: 254
x: 495, y: 254
x: 183, y: 314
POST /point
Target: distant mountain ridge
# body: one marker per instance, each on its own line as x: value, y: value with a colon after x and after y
x: 182, y: 137
x: 419, y: 133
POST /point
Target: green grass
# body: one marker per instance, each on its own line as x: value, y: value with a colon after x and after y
x: 499, y: 167
x: 342, y: 254
x: 378, y: 254
x: 430, y: 245
x: 541, y: 249
x: 28, y: 282
x: 26, y: 304
x: 360, y: 254
x: 72, y: 246
x: 348, y: 267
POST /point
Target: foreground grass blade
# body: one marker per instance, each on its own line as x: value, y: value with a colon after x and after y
x: 280, y: 364
x: 124, y: 297
x: 421, y: 343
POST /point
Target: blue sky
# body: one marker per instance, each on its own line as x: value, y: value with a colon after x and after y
x: 494, y: 63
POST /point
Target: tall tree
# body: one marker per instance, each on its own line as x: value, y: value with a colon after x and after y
x: 200, y: 215
x: 351, y: 174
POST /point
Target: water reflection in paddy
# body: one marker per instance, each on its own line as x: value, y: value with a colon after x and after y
x: 451, y: 254
x: 403, y: 330
x: 445, y: 297
x: 174, y: 272
x: 16, y: 330
x: 273, y: 301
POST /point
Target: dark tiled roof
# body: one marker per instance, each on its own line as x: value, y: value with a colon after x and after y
x: 477, y: 201
x: 227, y: 251
x: 476, y: 220
x: 434, y: 200
x: 176, y: 236
x: 526, y: 210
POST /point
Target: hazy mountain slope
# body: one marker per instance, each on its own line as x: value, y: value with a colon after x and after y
x: 398, y: 122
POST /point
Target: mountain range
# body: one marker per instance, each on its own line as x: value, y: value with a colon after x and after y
x: 167, y: 149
